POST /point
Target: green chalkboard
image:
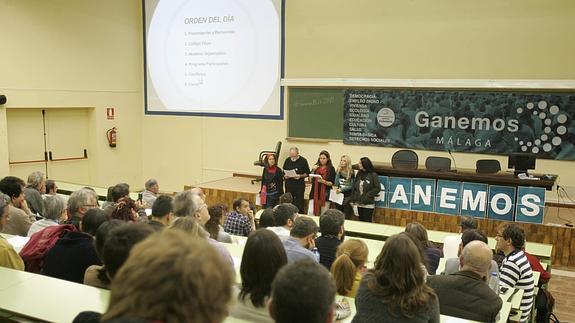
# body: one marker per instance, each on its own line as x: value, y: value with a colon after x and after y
x: 315, y: 113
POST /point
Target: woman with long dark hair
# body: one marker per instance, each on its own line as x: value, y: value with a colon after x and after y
x: 431, y: 252
x: 322, y: 178
x: 395, y: 290
x: 214, y: 226
x: 263, y: 256
x: 365, y: 188
x: 272, y: 182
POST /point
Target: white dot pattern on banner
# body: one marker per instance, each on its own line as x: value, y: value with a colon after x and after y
x: 516, y: 138
x: 554, y: 109
x: 547, y: 129
x: 537, y: 142
x: 548, y: 122
x: 529, y: 144
x: 544, y: 137
x: 535, y: 112
x: 547, y: 147
x: 535, y: 150
x: 556, y: 141
x: 561, y: 130
x: 521, y: 142
x: 523, y: 148
x: 542, y: 105
x: 561, y: 118
x: 519, y: 110
x: 542, y: 115
x: 530, y: 105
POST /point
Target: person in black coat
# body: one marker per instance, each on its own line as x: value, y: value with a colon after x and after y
x: 322, y: 180
x: 296, y: 185
x: 272, y: 182
x: 75, y: 251
x: 366, y: 187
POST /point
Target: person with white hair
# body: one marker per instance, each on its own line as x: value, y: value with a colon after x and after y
x: 35, y: 188
x: 296, y: 184
x: 79, y: 203
x: 150, y: 194
x: 54, y: 213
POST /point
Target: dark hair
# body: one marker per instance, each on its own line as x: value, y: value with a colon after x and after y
x: 330, y: 222
x: 468, y: 222
x: 213, y: 225
x: 92, y: 220
x: 101, y: 236
x: 109, y: 194
x: 283, y: 213
x: 303, y: 227
x: 326, y: 154
x: 515, y: 233
x: 119, y: 243
x: 266, y: 158
x: 12, y: 186
x: 267, y: 219
x: 295, y: 285
x: 286, y: 198
x: 50, y: 185
x: 367, y: 165
x: 119, y: 191
x: 162, y: 206
x: 238, y: 202
x: 472, y: 235
x: 264, y: 255
x: 123, y: 209
x: 397, y: 277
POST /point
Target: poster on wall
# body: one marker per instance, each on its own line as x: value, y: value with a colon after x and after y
x: 475, y: 121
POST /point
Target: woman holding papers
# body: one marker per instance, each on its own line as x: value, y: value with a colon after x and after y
x: 365, y: 188
x: 322, y: 178
x: 343, y: 184
x: 272, y: 182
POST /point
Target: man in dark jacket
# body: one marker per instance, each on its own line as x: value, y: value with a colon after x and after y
x: 332, y: 231
x: 75, y: 251
x: 465, y: 294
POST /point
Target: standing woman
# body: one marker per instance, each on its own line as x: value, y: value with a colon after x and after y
x: 321, y: 184
x: 344, y: 177
x: 272, y: 182
x: 365, y: 188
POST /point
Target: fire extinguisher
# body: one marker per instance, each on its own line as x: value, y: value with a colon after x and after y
x: 111, y: 135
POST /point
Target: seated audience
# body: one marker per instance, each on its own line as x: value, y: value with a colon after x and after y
x: 240, y: 221
x: 331, y: 228
x: 119, y: 243
x: 33, y: 192
x: 9, y: 258
x: 125, y: 209
x: 19, y: 216
x: 321, y: 186
x: 51, y: 187
x: 286, y: 198
x: 189, y: 204
x: 302, y: 292
x: 74, y: 252
x: 54, y: 213
x: 452, y: 264
x: 395, y: 288
x: 263, y: 257
x: 193, y: 227
x: 451, y: 244
x: 466, y: 294
x: 109, y: 198
x: 79, y: 203
x: 214, y: 224
x: 515, y: 271
x: 150, y: 194
x: 284, y: 217
x: 301, y: 242
x: 349, y: 266
x: 199, y: 192
x: 266, y: 219
x: 118, y: 191
x: 96, y: 275
x: 432, y: 253
x: 162, y: 212
x: 144, y: 290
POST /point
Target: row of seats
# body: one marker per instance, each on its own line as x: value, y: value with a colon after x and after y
x: 408, y: 159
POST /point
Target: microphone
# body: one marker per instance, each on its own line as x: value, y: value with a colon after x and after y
x: 453, y: 159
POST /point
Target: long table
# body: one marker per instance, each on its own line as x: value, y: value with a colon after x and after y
x: 468, y: 175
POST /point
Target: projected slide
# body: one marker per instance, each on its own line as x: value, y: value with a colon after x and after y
x: 213, y: 57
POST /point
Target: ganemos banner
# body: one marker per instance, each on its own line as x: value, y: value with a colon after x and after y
x: 508, y: 203
x: 463, y: 120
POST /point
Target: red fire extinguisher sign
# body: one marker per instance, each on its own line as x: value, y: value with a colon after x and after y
x: 111, y: 113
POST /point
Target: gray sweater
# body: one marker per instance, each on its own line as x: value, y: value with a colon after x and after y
x: 372, y: 308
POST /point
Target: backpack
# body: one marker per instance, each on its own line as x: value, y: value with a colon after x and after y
x: 544, y: 303
x: 40, y: 243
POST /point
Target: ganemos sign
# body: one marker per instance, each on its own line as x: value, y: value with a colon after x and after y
x: 508, y: 203
x: 463, y: 120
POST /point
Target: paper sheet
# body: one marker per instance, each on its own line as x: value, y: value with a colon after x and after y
x: 336, y: 197
x: 290, y: 173
x: 314, y: 176
x: 17, y: 241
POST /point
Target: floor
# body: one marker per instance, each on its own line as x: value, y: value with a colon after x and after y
x: 563, y: 290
